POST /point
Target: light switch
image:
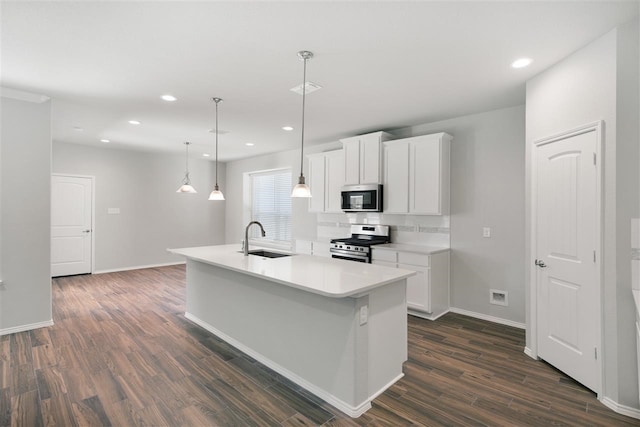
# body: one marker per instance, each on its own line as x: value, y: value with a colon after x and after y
x: 113, y: 211
x: 486, y: 232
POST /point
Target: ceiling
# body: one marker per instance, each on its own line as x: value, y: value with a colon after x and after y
x: 381, y: 65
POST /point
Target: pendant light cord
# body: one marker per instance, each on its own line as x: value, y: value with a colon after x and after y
x: 304, y: 92
x: 187, y: 180
x: 216, y: 187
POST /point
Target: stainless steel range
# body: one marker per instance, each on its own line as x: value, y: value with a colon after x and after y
x: 358, y: 246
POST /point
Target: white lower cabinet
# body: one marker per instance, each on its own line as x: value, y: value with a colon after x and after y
x: 428, y: 290
x: 309, y: 247
x: 418, y: 288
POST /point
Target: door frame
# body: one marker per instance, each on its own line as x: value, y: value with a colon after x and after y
x: 93, y: 213
x: 532, y: 350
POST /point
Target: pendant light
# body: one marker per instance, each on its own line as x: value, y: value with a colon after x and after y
x: 216, y: 194
x: 302, y: 189
x: 186, y: 182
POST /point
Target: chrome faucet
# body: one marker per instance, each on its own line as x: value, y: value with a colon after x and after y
x: 246, y: 236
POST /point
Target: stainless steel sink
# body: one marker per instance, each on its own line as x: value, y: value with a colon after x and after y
x: 268, y: 254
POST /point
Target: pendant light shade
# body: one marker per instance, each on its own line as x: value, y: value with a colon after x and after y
x: 216, y: 194
x: 302, y: 189
x: 186, y: 186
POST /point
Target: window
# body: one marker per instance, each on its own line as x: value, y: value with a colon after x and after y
x: 271, y: 204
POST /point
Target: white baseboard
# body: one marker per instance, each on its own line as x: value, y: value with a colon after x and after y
x: 529, y: 353
x: 352, y: 411
x: 137, y: 267
x: 620, y: 409
x: 426, y: 315
x: 29, y: 327
x: 488, y: 318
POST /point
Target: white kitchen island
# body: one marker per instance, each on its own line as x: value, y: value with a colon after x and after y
x: 336, y: 328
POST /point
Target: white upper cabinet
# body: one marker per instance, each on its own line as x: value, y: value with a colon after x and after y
x: 316, y: 182
x: 416, y: 175
x: 362, y: 158
x: 326, y: 178
x: 334, y: 180
x: 396, y: 188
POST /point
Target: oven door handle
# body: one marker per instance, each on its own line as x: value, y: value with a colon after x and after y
x: 348, y: 253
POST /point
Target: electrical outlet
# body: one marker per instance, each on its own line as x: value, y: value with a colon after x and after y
x: 497, y: 297
x: 486, y: 232
x: 364, y: 315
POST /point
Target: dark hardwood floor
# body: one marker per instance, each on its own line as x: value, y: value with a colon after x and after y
x: 121, y: 353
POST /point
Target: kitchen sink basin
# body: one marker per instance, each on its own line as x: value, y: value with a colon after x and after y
x: 267, y: 254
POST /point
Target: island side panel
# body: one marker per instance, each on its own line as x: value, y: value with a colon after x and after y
x: 309, y: 335
x: 387, y: 336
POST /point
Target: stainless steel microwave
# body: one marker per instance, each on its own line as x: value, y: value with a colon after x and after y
x: 362, y: 198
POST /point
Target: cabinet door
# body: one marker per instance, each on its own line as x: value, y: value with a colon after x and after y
x: 321, y: 249
x: 383, y: 263
x: 418, y: 288
x: 396, y: 178
x: 425, y: 177
x: 370, y: 159
x: 316, y: 183
x: 351, y: 161
x: 334, y: 171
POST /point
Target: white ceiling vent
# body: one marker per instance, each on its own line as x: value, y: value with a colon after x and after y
x: 309, y: 87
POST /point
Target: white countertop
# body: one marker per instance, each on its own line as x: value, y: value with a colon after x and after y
x: 325, y: 276
x: 419, y: 249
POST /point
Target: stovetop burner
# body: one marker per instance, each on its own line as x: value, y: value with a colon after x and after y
x: 361, y: 242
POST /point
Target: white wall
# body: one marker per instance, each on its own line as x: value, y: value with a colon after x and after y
x: 487, y: 190
x: 153, y: 217
x: 593, y: 84
x: 25, y: 194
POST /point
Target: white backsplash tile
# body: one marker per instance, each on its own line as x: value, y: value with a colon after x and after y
x: 407, y: 229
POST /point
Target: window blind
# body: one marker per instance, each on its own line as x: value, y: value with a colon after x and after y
x: 271, y: 204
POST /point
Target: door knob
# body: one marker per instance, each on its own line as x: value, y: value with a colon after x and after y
x: 540, y: 263
x: 86, y: 231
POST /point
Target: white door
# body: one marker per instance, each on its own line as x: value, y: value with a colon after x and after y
x: 567, y: 242
x: 71, y: 229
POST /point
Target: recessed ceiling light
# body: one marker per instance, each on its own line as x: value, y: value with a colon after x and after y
x: 169, y: 98
x: 106, y: 141
x: 206, y: 154
x: 249, y: 144
x: 78, y: 129
x: 134, y: 122
x: 521, y: 63
x: 287, y: 128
